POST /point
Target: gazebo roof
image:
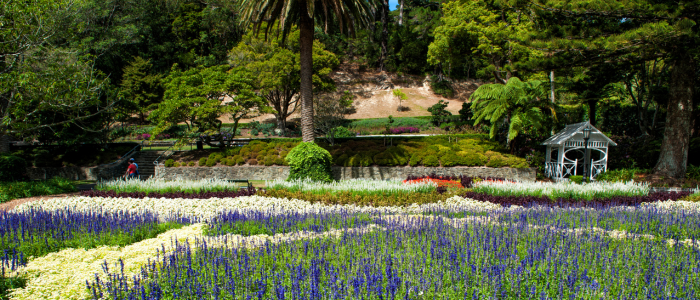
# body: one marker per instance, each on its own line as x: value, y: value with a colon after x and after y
x: 567, y: 133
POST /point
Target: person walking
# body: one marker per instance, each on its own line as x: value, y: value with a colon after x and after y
x: 131, y: 171
x: 135, y: 164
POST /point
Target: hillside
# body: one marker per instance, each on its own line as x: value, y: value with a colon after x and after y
x: 374, y: 97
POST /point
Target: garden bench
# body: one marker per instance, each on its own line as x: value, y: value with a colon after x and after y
x: 246, y: 181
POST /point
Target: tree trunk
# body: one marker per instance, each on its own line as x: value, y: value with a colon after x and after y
x: 306, y: 40
x: 551, y: 86
x: 4, y: 143
x: 385, y: 34
x: 400, y: 12
x: 592, y: 109
x: 673, y: 158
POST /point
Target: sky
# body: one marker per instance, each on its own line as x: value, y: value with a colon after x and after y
x: 393, y: 4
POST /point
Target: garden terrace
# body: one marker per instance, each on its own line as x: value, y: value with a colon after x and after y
x: 458, y: 150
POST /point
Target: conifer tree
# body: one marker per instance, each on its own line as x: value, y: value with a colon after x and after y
x: 585, y: 33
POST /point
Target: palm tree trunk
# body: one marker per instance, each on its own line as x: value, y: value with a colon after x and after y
x: 673, y: 158
x: 306, y: 40
x: 385, y: 35
x: 401, y: 12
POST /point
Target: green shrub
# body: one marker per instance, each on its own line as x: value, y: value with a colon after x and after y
x: 472, y: 158
x: 310, y: 161
x: 202, y: 161
x: 393, y: 156
x: 465, y: 114
x: 260, y: 157
x: 14, y: 190
x: 578, y: 179
x: 431, y: 161
x: 12, y: 168
x: 359, y: 160
x: 450, y: 160
x: 169, y: 163
x: 252, y: 162
x: 496, y: 160
x: 692, y: 172
x: 342, y: 132
x: 176, y: 164
x: 439, y: 113
x: 692, y: 198
x: 415, y: 159
x: 340, y: 160
x: 621, y: 175
x: 269, y: 160
x: 232, y: 151
x: 441, y: 87
x: 191, y: 164
x: 211, y: 162
x: 230, y: 162
x: 279, y: 161
x: 283, y: 154
x: 240, y: 160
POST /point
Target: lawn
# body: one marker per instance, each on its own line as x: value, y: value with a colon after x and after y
x: 260, y: 246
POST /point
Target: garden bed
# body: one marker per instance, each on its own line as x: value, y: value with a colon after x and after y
x: 441, y: 151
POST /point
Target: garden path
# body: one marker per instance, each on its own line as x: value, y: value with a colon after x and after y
x: 7, y: 206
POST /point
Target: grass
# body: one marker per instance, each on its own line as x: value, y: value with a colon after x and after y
x: 22, y: 189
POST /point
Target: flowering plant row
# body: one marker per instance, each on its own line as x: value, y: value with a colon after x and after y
x: 170, y: 195
x: 479, y: 260
x: 163, y: 186
x: 566, y: 190
x: 528, y: 200
x: 408, y: 129
x: 354, y: 186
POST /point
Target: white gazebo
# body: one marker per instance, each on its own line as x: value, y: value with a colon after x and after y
x: 569, y: 150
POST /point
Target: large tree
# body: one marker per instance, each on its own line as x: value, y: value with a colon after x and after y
x: 44, y: 85
x: 275, y: 69
x: 199, y: 96
x: 584, y: 33
x: 347, y: 14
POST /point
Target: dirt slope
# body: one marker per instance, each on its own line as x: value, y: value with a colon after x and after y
x: 374, y: 98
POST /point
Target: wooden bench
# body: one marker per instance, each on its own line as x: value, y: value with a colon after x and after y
x: 246, y: 181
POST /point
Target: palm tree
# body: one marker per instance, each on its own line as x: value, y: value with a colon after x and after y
x: 345, y: 14
x: 517, y: 103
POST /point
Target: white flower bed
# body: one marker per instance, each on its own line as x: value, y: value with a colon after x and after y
x: 62, y: 275
x: 353, y: 185
x: 208, y: 208
x: 562, y: 189
x: 157, y: 185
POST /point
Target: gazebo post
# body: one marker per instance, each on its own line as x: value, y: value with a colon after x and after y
x: 560, y: 162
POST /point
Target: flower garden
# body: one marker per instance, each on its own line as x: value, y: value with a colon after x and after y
x: 437, y: 237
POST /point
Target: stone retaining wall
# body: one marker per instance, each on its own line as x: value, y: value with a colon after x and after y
x: 340, y: 173
x: 107, y: 171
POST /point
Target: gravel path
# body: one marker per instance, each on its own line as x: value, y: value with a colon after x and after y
x: 7, y: 206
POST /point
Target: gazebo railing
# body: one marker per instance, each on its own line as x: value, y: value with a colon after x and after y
x: 558, y: 171
x: 582, y: 144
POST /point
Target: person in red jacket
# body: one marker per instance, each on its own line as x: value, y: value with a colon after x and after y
x: 131, y: 171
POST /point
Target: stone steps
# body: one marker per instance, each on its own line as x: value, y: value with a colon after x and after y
x: 145, y: 161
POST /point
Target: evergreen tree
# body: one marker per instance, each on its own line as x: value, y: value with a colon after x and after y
x: 140, y: 88
x: 584, y: 33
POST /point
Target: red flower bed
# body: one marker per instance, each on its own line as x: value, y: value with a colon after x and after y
x: 440, y: 182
